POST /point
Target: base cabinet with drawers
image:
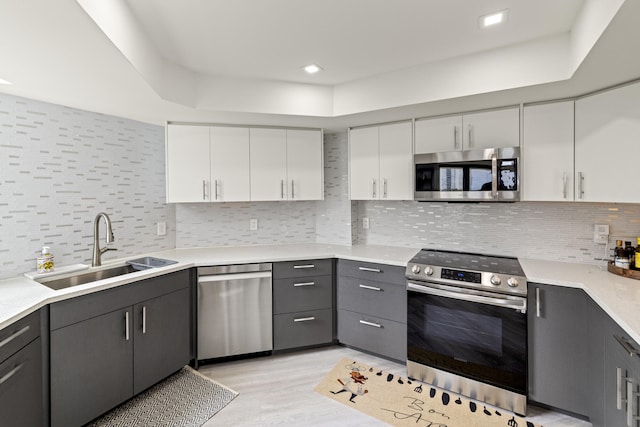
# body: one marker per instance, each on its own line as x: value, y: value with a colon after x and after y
x: 372, y: 308
x: 107, y: 346
x: 303, y: 309
x: 21, y: 373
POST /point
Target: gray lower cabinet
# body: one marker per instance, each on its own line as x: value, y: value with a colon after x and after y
x: 558, y: 348
x: 372, y: 308
x: 107, y: 346
x: 21, y: 374
x: 303, y: 309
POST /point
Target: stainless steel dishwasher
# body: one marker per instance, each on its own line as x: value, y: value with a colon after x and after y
x: 234, y: 310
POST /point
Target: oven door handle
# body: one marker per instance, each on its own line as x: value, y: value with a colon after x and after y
x: 516, y: 303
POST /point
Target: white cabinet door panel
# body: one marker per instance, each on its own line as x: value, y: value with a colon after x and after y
x: 491, y: 129
x: 396, y: 162
x: 438, y: 135
x: 268, y: 148
x: 547, y: 152
x: 230, y: 176
x: 364, y: 163
x: 188, y: 164
x: 305, y: 165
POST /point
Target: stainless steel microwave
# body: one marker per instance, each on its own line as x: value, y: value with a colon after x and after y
x: 488, y: 175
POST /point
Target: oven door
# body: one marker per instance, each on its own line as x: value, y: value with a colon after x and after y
x: 475, y: 334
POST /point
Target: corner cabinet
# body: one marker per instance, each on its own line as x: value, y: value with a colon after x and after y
x: 303, y: 310
x: 381, y: 162
x: 108, y: 346
x: 286, y: 164
x: 470, y: 131
x: 372, y: 308
x: 207, y: 163
x: 547, y: 152
x: 606, y: 145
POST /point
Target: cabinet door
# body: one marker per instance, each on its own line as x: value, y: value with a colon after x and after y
x: 491, y: 129
x: 396, y: 162
x: 92, y: 368
x: 21, y: 402
x: 268, y: 153
x: 606, y: 145
x: 230, y: 164
x: 438, y: 135
x: 558, y: 351
x: 305, y: 165
x: 161, y: 337
x: 548, y: 152
x: 188, y: 164
x: 364, y: 164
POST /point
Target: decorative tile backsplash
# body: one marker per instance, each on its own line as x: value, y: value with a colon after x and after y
x: 60, y: 166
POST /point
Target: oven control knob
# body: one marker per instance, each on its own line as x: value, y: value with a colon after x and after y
x: 513, y: 282
x: 428, y: 271
x: 495, y: 280
x: 415, y: 269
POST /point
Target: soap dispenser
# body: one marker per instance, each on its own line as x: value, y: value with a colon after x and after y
x: 45, y: 261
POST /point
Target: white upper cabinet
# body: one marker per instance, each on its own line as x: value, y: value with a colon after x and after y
x: 485, y: 129
x: 305, y: 166
x: 381, y: 162
x: 229, y: 164
x: 607, y: 146
x: 547, y: 152
x: 286, y: 164
x: 188, y: 170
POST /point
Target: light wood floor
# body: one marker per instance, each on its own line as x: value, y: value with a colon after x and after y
x: 278, y: 391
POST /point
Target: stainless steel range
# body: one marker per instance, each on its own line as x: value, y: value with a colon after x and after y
x: 467, y: 325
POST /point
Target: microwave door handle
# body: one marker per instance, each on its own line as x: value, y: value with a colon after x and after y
x: 494, y: 176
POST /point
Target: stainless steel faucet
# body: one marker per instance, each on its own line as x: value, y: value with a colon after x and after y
x: 97, y: 252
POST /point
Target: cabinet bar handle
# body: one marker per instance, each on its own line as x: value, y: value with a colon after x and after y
x: 305, y: 266
x: 204, y: 189
x: 293, y: 192
x: 11, y: 373
x: 304, y: 319
x: 538, y: 302
x: 126, y: 326
x: 619, y: 379
x: 384, y: 188
x: 296, y: 285
x: 630, y: 399
x: 373, y: 270
x: 282, y: 188
x: 581, y: 185
x: 470, y: 140
x: 373, y: 288
x: 564, y: 185
x: 627, y: 346
x: 215, y: 189
x: 375, y: 325
x: 14, y: 336
x: 144, y: 319
x: 455, y: 137
x: 373, y: 188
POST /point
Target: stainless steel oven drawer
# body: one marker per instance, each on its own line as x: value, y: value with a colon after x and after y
x: 373, y: 334
x: 385, y: 300
x: 302, y: 329
x: 301, y: 294
x: 372, y: 271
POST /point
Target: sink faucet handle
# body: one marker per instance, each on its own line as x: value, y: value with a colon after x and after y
x: 105, y: 249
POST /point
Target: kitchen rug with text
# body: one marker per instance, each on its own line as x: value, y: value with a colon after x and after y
x: 403, y: 402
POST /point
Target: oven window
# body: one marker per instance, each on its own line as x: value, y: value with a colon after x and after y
x: 474, y: 330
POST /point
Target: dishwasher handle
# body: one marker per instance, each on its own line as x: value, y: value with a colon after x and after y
x: 234, y: 276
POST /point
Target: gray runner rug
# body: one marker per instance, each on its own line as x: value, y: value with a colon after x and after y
x: 186, y: 398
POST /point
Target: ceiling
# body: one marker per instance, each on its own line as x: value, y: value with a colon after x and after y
x: 239, y: 61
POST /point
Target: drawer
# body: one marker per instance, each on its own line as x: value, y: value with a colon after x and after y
x: 302, y: 268
x: 373, y: 334
x: 302, y: 294
x: 302, y: 329
x: 372, y: 271
x: 385, y: 300
x: 19, y: 334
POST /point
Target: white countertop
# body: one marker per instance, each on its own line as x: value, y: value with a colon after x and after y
x: 618, y: 296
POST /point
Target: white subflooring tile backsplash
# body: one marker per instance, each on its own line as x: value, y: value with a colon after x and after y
x: 60, y: 166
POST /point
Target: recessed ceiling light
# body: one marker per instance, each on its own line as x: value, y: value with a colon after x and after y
x: 5, y: 82
x: 312, y: 68
x: 493, y: 18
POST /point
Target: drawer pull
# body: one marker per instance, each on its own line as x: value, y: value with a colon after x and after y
x: 305, y: 266
x: 304, y: 319
x: 126, y: 326
x: 375, y: 325
x: 9, y: 374
x: 627, y: 346
x: 144, y: 319
x: 373, y: 270
x: 14, y: 336
x: 373, y: 288
x: 297, y: 285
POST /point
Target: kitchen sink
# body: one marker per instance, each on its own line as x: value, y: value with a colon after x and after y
x: 80, y: 279
x: 149, y: 262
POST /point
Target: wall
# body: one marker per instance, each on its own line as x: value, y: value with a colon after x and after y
x: 60, y: 166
